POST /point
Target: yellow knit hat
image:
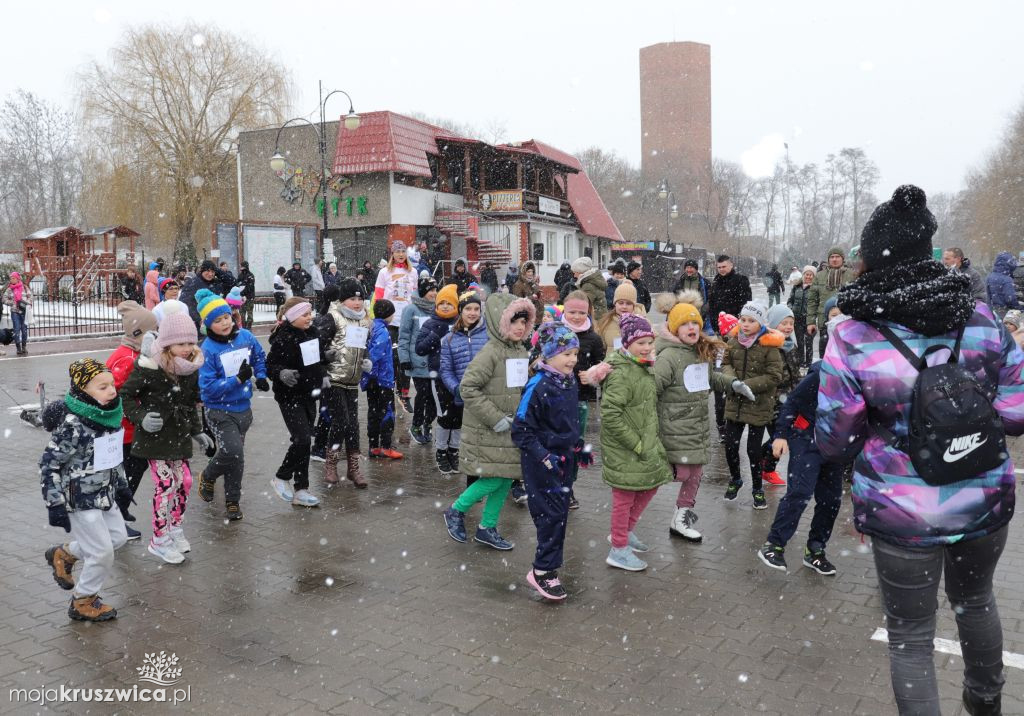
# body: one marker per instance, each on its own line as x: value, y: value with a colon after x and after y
x: 449, y: 294
x: 682, y: 313
x: 625, y: 290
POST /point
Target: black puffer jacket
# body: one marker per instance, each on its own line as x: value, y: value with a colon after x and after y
x: 286, y: 354
x: 728, y: 294
x: 592, y: 352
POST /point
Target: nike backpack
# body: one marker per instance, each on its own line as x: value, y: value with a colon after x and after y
x: 954, y: 432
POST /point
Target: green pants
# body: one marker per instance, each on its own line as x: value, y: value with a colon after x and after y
x: 494, y: 489
x: 583, y: 413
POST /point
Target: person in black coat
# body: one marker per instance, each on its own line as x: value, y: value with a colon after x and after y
x: 461, y: 276
x: 635, y: 272
x: 729, y: 291
x: 489, y: 278
x: 298, y: 379
x: 563, y: 276
x: 247, y: 280
x: 511, y: 277
x: 131, y: 287
x: 206, y: 277
x: 297, y: 277
x: 775, y: 285
x: 227, y: 279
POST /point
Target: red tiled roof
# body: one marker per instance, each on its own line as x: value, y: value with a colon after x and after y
x: 586, y: 203
x: 387, y: 142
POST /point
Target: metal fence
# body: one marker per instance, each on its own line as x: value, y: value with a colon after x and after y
x: 64, y: 312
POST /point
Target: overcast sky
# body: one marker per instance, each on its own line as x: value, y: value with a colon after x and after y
x: 926, y: 88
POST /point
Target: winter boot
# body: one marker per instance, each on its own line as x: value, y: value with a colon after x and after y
x: 331, y: 467
x: 205, y: 488
x: 90, y: 609
x: 353, y: 474
x: 453, y: 459
x: 62, y: 563
x: 443, y: 463
x: 682, y: 525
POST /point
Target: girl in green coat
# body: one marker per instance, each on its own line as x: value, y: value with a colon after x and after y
x: 491, y: 388
x: 683, y: 375
x: 634, y: 462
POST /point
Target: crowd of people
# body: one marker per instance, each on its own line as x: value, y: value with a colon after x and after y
x: 503, y: 384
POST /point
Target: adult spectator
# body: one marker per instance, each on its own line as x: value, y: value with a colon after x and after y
x: 828, y: 281
x: 461, y: 276
x: 332, y: 277
x: 206, y: 278
x: 247, y: 280
x: 1018, y: 277
x: 511, y: 277
x: 281, y: 289
x: 635, y: 272
x: 371, y: 275
x: 563, y: 276
x: 364, y: 281
x: 227, y: 279
x: 616, y: 275
x: 591, y: 282
x: 729, y: 291
x: 131, y: 286
x: 774, y: 284
x: 297, y: 277
x: 489, y: 278
x: 692, y: 280
x: 1001, y: 293
x: 799, y: 300
x: 17, y: 297
x: 152, y: 287
x: 955, y: 260
x: 316, y: 280
x: 528, y: 287
x: 795, y: 276
x: 921, y: 527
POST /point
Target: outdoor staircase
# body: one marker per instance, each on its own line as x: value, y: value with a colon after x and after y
x: 465, y: 224
x: 92, y: 269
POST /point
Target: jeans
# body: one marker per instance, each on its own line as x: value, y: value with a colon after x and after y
x: 908, y: 578
x: 733, y: 435
x: 773, y: 298
x: 298, y: 419
x: 229, y: 431
x: 20, y: 329
x: 804, y: 342
x: 809, y: 475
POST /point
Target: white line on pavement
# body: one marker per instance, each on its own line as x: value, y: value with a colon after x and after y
x: 948, y: 646
x: 58, y: 355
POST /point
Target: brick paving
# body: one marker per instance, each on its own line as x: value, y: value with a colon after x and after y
x: 365, y: 606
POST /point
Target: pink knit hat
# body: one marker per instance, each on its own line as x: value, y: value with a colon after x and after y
x: 175, y: 327
x: 633, y: 328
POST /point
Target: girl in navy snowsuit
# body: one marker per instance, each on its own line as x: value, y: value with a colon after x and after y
x: 428, y: 343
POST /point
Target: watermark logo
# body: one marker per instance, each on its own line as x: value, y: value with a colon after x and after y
x: 160, y: 669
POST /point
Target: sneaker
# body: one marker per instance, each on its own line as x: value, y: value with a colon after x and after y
x: 490, y: 537
x: 376, y: 452
x: 818, y: 562
x: 444, y: 465
x: 283, y: 489
x: 634, y: 543
x: 62, y: 562
x: 234, y: 512
x: 519, y: 493
x: 453, y: 459
x: 772, y: 478
x: 759, y: 502
x: 90, y: 609
x: 547, y: 585
x: 419, y: 435
x: 205, y: 488
x: 771, y: 555
x: 574, y: 504
x: 165, y: 550
x: 391, y: 453
x: 303, y: 498
x: 625, y: 558
x: 132, y: 534
x: 682, y: 525
x: 178, y: 538
x: 318, y: 454
x: 406, y: 404
x: 732, y: 490
x: 455, y: 522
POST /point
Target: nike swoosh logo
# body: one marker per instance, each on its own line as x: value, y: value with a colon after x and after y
x: 951, y: 457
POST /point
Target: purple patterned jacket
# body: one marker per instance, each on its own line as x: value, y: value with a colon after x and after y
x: 862, y: 374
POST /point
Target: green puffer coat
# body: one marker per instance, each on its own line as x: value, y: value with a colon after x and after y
x: 488, y: 398
x: 683, y: 416
x: 150, y: 389
x: 632, y: 455
x: 760, y: 367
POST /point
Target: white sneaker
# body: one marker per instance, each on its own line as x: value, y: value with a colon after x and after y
x: 178, y: 539
x: 682, y: 525
x: 283, y: 489
x: 165, y: 550
x: 634, y: 543
x: 303, y: 498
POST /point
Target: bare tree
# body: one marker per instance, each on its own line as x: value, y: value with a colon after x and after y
x: 171, y: 102
x: 861, y: 175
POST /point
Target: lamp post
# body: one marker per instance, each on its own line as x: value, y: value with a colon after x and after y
x: 350, y: 122
x: 671, y: 208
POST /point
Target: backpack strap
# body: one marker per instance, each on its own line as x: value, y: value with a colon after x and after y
x: 899, y: 345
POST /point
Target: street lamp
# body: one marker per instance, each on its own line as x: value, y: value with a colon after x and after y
x: 671, y: 208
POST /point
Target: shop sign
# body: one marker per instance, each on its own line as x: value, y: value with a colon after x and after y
x: 502, y: 201
x: 635, y: 246
x: 550, y: 206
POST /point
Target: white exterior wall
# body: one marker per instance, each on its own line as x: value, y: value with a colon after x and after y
x: 565, y: 247
x: 415, y: 207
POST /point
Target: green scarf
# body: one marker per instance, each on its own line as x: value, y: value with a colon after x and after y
x: 107, y: 417
x: 636, y: 359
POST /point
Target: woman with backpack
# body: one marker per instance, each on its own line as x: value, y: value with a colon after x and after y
x: 927, y: 508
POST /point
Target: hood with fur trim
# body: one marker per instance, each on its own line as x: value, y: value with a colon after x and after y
x: 771, y: 338
x: 498, y: 312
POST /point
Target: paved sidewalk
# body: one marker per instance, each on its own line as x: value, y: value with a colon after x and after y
x: 365, y: 605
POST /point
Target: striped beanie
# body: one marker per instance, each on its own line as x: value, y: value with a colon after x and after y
x: 211, y: 306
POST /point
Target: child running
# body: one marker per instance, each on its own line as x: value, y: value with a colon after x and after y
x: 161, y: 399
x: 780, y: 318
x: 684, y: 375
x: 296, y: 369
x: 424, y: 409
x: 634, y: 461
x: 491, y: 389
x: 752, y: 355
x: 378, y: 382
x: 81, y: 477
x: 232, y: 357
x: 547, y: 431
x: 428, y: 345
x: 458, y: 349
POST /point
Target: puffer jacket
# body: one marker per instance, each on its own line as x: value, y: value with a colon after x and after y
x: 488, y: 398
x: 66, y: 473
x: 800, y: 299
x: 286, y: 354
x: 150, y: 389
x: 428, y: 340
x: 592, y: 352
x: 530, y: 290
x: 593, y: 284
x: 121, y: 363
x: 347, y: 367
x: 151, y: 290
x: 379, y: 351
x: 415, y: 315
x: 632, y: 455
x: 458, y: 349
x: 220, y: 392
x: 683, y: 416
x: 547, y: 423
x: 863, y: 374
x: 760, y: 367
x: 1001, y: 292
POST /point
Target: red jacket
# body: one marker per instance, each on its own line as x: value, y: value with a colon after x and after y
x: 121, y: 364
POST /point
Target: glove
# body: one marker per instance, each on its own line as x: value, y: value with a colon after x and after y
x: 262, y: 384
x: 123, y: 500
x: 204, y: 441
x: 331, y: 354
x: 152, y: 422
x: 289, y: 377
x: 367, y: 365
x: 502, y: 425
x: 244, y: 372
x: 406, y: 367
x: 326, y: 383
x: 584, y: 455
x: 741, y: 388
x: 59, y: 517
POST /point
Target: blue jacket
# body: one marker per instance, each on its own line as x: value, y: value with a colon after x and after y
x: 413, y: 317
x: 222, y: 393
x: 428, y: 340
x: 1001, y: 292
x: 378, y: 350
x: 457, y: 351
x: 547, y: 420
x: 802, y: 401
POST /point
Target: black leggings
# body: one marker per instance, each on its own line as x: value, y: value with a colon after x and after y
x: 343, y: 404
x: 401, y: 379
x: 424, y: 409
x: 733, y: 435
x: 134, y: 467
x: 298, y: 419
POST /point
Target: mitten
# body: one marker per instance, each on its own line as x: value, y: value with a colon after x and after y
x: 204, y: 441
x: 502, y: 425
x: 289, y: 377
x: 244, y: 372
x: 59, y: 517
x: 262, y: 384
x: 152, y: 422
x: 741, y: 388
x: 367, y: 365
x: 406, y: 367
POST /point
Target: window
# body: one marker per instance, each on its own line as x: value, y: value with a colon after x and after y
x: 552, y: 247
x: 568, y: 247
